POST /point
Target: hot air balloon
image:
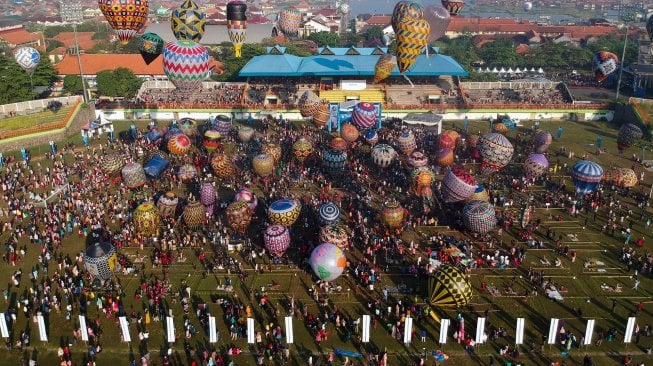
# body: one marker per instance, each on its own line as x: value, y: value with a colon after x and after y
x: 321, y: 115
x: 479, y: 216
x: 371, y: 136
x: 407, y: 143
x: 245, y: 133
x: 237, y: 24
x: 604, y: 63
x: 289, y: 21
x: 472, y: 141
x: 111, y: 164
x: 208, y: 197
x: 405, y: 10
x: 383, y: 155
x: 327, y: 261
x: 212, y: 140
x: 100, y: 259
x: 621, y: 177
x: 444, y: 157
x: 187, y: 172
x: 348, y: 132
x: 535, y: 165
x: 263, y: 164
x: 308, y: 103
x: 528, y: 6
x: 147, y: 219
x: 446, y: 141
x: 364, y: 115
x: 417, y: 159
x: 126, y: 17
x: 194, y: 214
x: 500, y: 127
x: 179, y: 144
x: 384, y: 66
x: 392, y: 215
x: 649, y: 27
x: 151, y: 47
x: 496, y: 152
x: 328, y: 214
x: 454, y: 6
x: 334, y: 161
x: 246, y: 195
x: 457, y: 185
x: 449, y: 287
x: 222, y: 166
x: 238, y: 216
x: 188, y: 21
x: 480, y: 194
x: 27, y: 58
x: 586, y: 175
x: 412, y: 37
x: 302, y: 149
x: 133, y: 175
x: 452, y: 135
x: 273, y: 150
x: 222, y: 123
x: 438, y: 18
x: 338, y: 143
x: 284, y: 212
x: 542, y: 140
x: 276, y: 239
x: 167, y: 204
x: 335, y: 235
x: 188, y: 126
x: 422, y: 177
x: 628, y: 135
x: 186, y: 64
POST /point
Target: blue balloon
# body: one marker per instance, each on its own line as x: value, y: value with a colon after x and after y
x: 586, y: 175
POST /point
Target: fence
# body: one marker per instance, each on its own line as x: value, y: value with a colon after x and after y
x: 36, y: 105
x: 496, y: 85
x: 164, y: 84
x: 57, y: 125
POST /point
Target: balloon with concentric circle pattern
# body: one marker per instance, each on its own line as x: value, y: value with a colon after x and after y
x: 328, y: 214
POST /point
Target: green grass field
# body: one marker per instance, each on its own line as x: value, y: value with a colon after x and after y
x: 584, y: 288
x: 33, y: 119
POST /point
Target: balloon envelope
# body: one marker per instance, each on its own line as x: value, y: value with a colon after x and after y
x: 327, y: 261
x: 364, y: 115
x: 603, y: 64
x: 457, y: 185
x: 246, y: 195
x: 383, y: 155
x: 535, y: 165
x: 449, y: 287
x: 479, y: 216
x: 542, y: 140
x: 412, y: 36
x: 328, y: 214
x: 405, y: 10
x: 188, y: 21
x: 628, y: 135
x: 151, y: 47
x: 284, y: 212
x: 27, y: 58
x: 276, y: 239
x: 586, y: 175
x: 237, y: 24
x: 496, y: 151
x: 454, y: 6
x: 289, y: 21
x: 384, y: 66
x: 126, y: 17
x: 438, y: 18
x: 186, y: 64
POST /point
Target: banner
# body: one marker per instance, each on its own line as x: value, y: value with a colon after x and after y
x: 124, y: 326
x: 444, y: 328
x: 250, y: 331
x: 170, y: 330
x: 379, y: 111
x: 289, y: 330
x: 589, y: 331
x: 408, y: 330
x: 43, y: 335
x: 334, y: 117
x: 83, y: 328
x: 630, y: 327
x: 3, y: 326
x: 213, y: 332
x: 366, y: 329
x: 519, y: 336
x: 553, y: 331
x: 480, y: 331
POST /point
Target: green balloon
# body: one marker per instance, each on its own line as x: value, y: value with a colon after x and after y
x: 151, y: 46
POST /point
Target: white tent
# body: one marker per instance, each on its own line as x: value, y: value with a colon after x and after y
x: 510, y: 70
x: 502, y: 71
x: 487, y: 69
x: 480, y: 70
x: 540, y: 71
x: 495, y: 70
x: 532, y: 69
x: 518, y: 71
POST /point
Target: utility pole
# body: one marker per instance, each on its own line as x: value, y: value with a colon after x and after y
x: 79, y: 62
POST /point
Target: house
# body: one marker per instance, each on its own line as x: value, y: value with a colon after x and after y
x: 315, y: 25
x: 84, y: 40
x: 94, y: 63
x: 17, y: 36
x: 303, y: 7
x: 378, y: 20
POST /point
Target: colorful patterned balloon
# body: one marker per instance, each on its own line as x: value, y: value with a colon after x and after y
x: 417, y: 159
x: 111, y: 164
x: 263, y: 164
x: 535, y: 166
x: 151, y: 47
x: 449, y: 287
x: 348, y: 132
x: 284, y: 212
x: 289, y: 21
x: 628, y: 135
x: 392, y: 215
x: 384, y: 66
x: 457, y: 185
x: 334, y: 161
x: 147, y: 219
x: 273, y: 150
x: 246, y: 133
x: 186, y: 64
x: 237, y: 24
x: 439, y: 19
x: 212, y: 140
x: 480, y: 194
x: 327, y: 261
x: 27, y: 58
x: 383, y: 155
x: 188, y: 22
x: 133, y: 175
x: 276, y: 239
x: 542, y: 140
x: 422, y: 177
x: 335, y: 235
x: 445, y: 157
x: 208, y: 197
x: 371, y: 136
x: 222, y: 123
x: 604, y: 63
x: 496, y: 152
x: 238, y: 216
x: 187, y: 172
x: 328, y: 214
x: 586, y: 176
x: 179, y: 144
x: 167, y: 204
x: 412, y: 37
x: 126, y: 17
x: 222, y: 166
x: 194, y: 214
x: 621, y: 177
x: 246, y: 195
x: 407, y: 143
x: 500, y: 127
x: 302, y: 149
x: 453, y: 6
x: 479, y: 216
x: 338, y: 143
x: 321, y: 115
x: 308, y: 104
x: 472, y: 141
x: 405, y: 10
x: 188, y: 126
x: 364, y: 115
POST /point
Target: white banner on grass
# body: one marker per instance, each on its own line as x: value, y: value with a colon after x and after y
x: 43, y: 335
x: 519, y: 335
x: 170, y: 329
x: 83, y: 328
x: 589, y: 331
x: 553, y: 331
x: 630, y: 327
x: 3, y: 326
x: 444, y: 329
x: 289, y: 331
x: 250, y: 331
x: 366, y: 329
x: 408, y: 329
x: 213, y: 332
x: 480, y: 330
x: 124, y: 326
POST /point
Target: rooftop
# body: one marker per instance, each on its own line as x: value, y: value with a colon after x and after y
x: 215, y: 34
x: 94, y: 63
x: 85, y: 39
x: 19, y: 36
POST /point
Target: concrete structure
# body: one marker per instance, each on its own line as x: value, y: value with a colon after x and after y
x: 71, y: 11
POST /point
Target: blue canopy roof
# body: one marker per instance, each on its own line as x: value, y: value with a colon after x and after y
x: 345, y: 65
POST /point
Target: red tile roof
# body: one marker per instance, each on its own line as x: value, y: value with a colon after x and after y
x: 84, y: 39
x: 381, y: 20
x: 94, y: 63
x: 480, y: 25
x: 522, y: 49
x: 19, y: 36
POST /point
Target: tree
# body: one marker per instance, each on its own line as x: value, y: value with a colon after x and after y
x: 107, y: 85
x: 72, y: 84
x: 44, y: 74
x: 373, y: 32
x: 322, y: 39
x: 501, y: 53
x: 120, y: 82
x: 462, y: 49
x: 131, y: 47
x: 52, y: 44
x: 14, y: 82
x: 232, y: 64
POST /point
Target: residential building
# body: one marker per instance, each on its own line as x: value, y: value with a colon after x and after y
x: 71, y: 11
x: 17, y: 36
x: 94, y: 63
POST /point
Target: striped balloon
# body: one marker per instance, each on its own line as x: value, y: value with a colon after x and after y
x: 364, y: 115
x: 289, y: 21
x: 405, y: 10
x: 186, y: 64
x: 412, y: 36
x: 586, y: 175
